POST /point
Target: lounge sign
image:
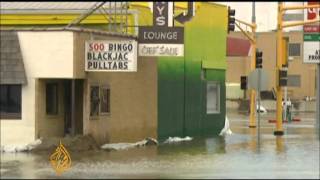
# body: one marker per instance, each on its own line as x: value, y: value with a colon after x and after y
x: 161, y: 41
x: 111, y: 56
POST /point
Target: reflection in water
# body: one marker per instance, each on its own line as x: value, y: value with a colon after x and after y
x: 19, y: 164
x: 280, y: 144
x: 294, y: 155
x: 253, y: 145
x: 216, y: 145
x: 196, y: 146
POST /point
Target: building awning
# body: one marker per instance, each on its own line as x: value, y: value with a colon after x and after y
x: 238, y: 47
x: 12, y: 67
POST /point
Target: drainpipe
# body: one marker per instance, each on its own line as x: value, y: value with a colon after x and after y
x: 73, y: 109
x: 318, y: 102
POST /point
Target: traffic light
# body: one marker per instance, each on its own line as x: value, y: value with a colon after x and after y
x: 259, y: 59
x: 283, y: 77
x: 231, y: 19
x: 244, y: 82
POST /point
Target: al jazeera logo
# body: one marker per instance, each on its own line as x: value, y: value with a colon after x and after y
x: 60, y: 159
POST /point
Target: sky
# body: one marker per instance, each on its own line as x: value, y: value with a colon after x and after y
x: 266, y: 13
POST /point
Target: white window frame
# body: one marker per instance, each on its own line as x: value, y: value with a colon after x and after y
x: 100, y: 86
x: 105, y: 86
x: 218, y: 109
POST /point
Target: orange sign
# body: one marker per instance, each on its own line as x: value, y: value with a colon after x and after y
x: 60, y: 159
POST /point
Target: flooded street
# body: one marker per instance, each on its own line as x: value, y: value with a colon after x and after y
x: 294, y: 155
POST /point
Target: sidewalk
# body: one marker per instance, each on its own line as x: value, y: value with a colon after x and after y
x: 270, y: 105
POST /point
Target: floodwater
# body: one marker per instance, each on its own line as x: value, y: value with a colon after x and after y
x: 240, y: 155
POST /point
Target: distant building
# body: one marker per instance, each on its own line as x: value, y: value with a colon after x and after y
x: 302, y: 77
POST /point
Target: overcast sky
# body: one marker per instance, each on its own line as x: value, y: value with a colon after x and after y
x: 266, y: 13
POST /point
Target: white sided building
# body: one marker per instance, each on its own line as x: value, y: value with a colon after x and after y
x: 46, y: 92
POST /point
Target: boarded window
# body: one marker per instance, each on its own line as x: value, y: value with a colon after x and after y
x: 94, y: 100
x: 294, y: 49
x: 10, y: 101
x: 99, y: 100
x: 294, y: 80
x: 213, y: 98
x: 52, y: 98
x: 105, y: 100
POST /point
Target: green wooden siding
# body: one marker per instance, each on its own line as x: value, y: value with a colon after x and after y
x: 170, y: 97
x: 213, y: 123
x: 181, y: 90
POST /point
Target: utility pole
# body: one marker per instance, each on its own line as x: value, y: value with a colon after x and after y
x: 285, y: 42
x: 252, y: 121
x: 280, y: 57
x: 318, y: 101
x: 279, y: 128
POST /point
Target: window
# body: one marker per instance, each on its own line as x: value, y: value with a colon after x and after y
x: 94, y: 100
x: 294, y: 80
x: 294, y: 49
x: 105, y: 100
x: 10, y: 101
x: 99, y: 100
x: 52, y: 98
x: 213, y: 98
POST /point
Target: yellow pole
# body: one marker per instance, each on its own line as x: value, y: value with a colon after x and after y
x: 285, y: 41
x: 279, y: 128
x: 280, y: 144
x: 252, y: 121
x: 248, y: 24
x: 245, y: 33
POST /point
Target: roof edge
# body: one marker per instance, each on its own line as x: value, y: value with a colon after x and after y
x: 74, y: 29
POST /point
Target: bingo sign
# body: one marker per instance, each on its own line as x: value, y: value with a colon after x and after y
x: 119, y: 56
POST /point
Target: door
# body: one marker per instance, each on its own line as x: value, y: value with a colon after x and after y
x: 73, y: 105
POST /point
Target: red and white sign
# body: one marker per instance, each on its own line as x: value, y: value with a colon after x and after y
x: 312, y: 14
x: 311, y: 28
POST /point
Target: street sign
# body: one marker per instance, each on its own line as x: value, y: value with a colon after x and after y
x: 311, y: 37
x: 311, y: 48
x: 312, y: 13
x: 311, y: 28
x: 182, y: 18
x: 253, y: 80
x: 161, y: 41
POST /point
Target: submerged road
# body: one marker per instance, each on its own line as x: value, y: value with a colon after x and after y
x: 294, y: 155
